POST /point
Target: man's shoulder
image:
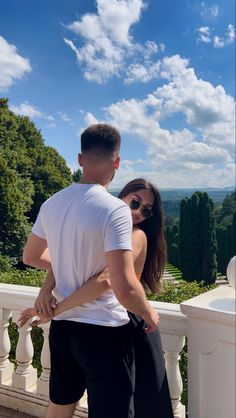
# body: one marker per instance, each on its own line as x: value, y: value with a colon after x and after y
x: 115, y: 202
x: 59, y: 193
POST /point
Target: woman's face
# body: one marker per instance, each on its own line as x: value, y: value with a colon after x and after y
x: 145, y: 199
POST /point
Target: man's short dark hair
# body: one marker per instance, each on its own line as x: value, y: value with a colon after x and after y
x: 101, y: 140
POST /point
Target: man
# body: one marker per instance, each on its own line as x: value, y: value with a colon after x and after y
x: 85, y: 229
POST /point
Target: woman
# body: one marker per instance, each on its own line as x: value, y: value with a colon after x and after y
x: 151, y: 398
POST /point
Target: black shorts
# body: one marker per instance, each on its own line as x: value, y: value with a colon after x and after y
x: 97, y: 358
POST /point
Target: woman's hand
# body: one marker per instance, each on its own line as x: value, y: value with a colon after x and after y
x: 32, y: 313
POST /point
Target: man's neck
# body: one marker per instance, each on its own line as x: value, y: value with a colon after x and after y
x: 89, y: 180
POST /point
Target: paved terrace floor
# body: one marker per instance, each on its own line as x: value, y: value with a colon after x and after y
x: 9, y: 413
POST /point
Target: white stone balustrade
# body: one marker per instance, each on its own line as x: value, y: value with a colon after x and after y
x: 207, y: 320
x: 29, y: 394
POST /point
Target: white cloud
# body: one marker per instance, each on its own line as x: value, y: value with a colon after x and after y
x: 51, y: 125
x: 108, y: 48
x: 90, y: 119
x: 230, y: 37
x: 26, y: 109
x: 142, y: 72
x: 197, y: 155
x: 106, y: 37
x: 146, y: 69
x: 205, y: 35
x: 209, y: 11
x: 66, y: 118
x: 12, y: 66
x: 218, y: 42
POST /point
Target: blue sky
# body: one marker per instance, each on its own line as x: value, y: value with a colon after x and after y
x: 162, y: 72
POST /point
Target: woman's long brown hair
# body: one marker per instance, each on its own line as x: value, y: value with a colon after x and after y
x: 154, y: 230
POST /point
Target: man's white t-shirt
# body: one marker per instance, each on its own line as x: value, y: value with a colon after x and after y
x: 81, y: 223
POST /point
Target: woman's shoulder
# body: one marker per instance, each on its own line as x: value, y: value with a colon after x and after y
x: 139, y: 234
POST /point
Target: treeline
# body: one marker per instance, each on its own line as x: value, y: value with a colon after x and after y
x: 202, y: 242
x: 30, y: 172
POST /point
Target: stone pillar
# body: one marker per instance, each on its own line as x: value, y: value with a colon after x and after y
x: 43, y: 381
x: 172, y: 345
x: 25, y: 376
x: 211, y: 353
x: 6, y: 367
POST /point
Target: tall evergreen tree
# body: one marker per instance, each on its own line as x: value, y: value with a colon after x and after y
x: 226, y: 235
x: 172, y: 240
x: 189, y: 238
x: 197, y: 240
x: 208, y: 245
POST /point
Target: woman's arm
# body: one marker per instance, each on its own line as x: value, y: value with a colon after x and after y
x: 99, y: 284
x: 45, y: 307
x: 93, y: 288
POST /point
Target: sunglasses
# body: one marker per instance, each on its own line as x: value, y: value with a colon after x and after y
x: 146, y: 212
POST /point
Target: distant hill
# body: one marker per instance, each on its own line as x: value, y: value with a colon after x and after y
x: 171, y: 197
x: 217, y: 195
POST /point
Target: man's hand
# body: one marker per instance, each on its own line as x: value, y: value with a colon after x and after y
x: 151, y: 321
x: 45, y: 304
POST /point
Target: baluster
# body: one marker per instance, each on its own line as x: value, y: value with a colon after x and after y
x: 6, y: 367
x: 172, y: 345
x: 43, y: 381
x: 25, y: 376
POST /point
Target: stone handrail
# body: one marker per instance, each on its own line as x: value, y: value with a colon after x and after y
x: 21, y: 389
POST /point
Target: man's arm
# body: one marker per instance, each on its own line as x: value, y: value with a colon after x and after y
x: 127, y: 288
x: 36, y: 253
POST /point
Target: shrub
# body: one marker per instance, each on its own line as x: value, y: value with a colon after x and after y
x: 28, y: 277
x: 6, y: 263
x: 179, y: 291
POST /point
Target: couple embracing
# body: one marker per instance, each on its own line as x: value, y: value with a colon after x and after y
x: 100, y: 252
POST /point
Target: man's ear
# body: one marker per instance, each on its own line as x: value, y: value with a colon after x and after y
x: 80, y: 160
x: 116, y: 163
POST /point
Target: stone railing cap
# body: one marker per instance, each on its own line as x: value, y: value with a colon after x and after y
x: 216, y: 304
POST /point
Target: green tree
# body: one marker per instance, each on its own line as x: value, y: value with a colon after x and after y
x: 172, y: 239
x: 189, y: 238
x: 227, y: 208
x: 207, y: 244
x: 76, y: 175
x: 197, y: 238
x: 48, y: 177
x: 225, y: 232
x: 15, y: 200
x: 21, y: 144
x: 31, y: 172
